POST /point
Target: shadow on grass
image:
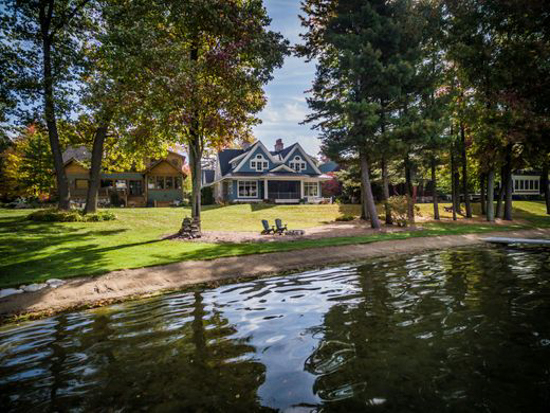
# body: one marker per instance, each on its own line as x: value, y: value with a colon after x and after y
x: 522, y: 211
x: 72, y: 261
x: 261, y: 206
x: 24, y: 247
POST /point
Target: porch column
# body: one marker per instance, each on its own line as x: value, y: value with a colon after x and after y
x: 266, y: 194
x: 301, y: 189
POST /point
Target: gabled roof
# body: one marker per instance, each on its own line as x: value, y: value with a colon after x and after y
x: 282, y: 167
x: 225, y: 157
x: 248, y: 153
x: 79, y: 154
x: 228, y: 156
x: 309, y: 159
x: 150, y: 167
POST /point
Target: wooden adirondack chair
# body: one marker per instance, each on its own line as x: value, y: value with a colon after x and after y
x: 280, y: 227
x: 267, y: 229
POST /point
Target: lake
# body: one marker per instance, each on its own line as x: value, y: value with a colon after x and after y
x: 453, y: 330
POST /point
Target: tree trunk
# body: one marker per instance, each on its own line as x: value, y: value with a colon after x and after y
x: 364, y: 209
x: 500, y: 196
x: 490, y: 195
x: 482, y: 200
x: 95, y: 168
x: 384, y: 166
x: 409, y: 190
x: 453, y: 184
x: 465, y: 173
x: 545, y: 185
x: 386, y: 190
x: 368, y: 197
x: 457, y: 190
x: 195, y: 155
x: 49, y: 108
x: 434, y: 191
x: 509, y: 185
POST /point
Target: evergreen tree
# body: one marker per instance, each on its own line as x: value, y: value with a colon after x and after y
x: 365, y: 51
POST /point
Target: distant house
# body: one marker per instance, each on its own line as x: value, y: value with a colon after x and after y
x: 329, y: 167
x: 254, y: 174
x: 527, y: 183
x: 160, y: 184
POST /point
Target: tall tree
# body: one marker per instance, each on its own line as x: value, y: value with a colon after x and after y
x: 47, y: 37
x: 203, y: 73
x: 364, y: 51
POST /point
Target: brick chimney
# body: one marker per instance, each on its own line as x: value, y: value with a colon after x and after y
x: 279, y: 145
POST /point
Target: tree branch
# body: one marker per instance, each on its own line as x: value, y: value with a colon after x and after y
x: 67, y: 18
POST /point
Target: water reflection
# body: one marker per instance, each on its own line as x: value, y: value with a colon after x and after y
x: 455, y: 330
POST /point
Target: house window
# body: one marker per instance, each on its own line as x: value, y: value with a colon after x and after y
x: 136, y: 187
x: 311, y: 189
x: 169, y: 183
x: 164, y: 182
x: 81, y: 183
x: 160, y: 182
x: 259, y: 163
x: 248, y: 189
x: 298, y: 164
x: 536, y: 184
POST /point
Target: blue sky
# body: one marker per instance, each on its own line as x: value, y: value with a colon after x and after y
x: 286, y: 105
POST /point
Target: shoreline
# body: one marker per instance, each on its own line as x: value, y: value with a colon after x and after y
x: 122, y: 285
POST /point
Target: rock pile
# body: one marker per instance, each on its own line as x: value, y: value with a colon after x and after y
x: 191, y: 228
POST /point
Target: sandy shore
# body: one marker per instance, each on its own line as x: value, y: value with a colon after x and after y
x: 127, y: 284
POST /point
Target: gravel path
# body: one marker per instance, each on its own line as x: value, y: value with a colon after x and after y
x: 126, y: 284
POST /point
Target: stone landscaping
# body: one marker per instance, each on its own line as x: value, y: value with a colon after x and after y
x: 31, y: 288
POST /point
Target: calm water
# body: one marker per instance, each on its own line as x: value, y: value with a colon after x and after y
x: 462, y: 330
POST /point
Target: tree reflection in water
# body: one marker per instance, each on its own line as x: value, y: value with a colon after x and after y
x: 441, y: 331
x: 455, y: 330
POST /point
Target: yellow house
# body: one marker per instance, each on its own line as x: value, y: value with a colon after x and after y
x: 160, y: 184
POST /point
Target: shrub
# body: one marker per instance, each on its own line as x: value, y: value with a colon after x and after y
x: 345, y: 217
x: 55, y: 215
x: 398, y: 206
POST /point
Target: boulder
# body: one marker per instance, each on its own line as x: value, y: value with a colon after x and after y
x: 34, y: 287
x: 9, y: 291
x: 55, y: 282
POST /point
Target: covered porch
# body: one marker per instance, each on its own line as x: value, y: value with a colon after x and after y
x: 291, y: 191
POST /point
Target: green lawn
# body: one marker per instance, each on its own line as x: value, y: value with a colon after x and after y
x: 34, y: 252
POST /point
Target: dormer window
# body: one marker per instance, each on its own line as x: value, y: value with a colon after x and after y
x: 298, y: 164
x: 259, y: 163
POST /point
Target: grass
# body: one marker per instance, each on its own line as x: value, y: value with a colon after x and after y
x: 36, y: 251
